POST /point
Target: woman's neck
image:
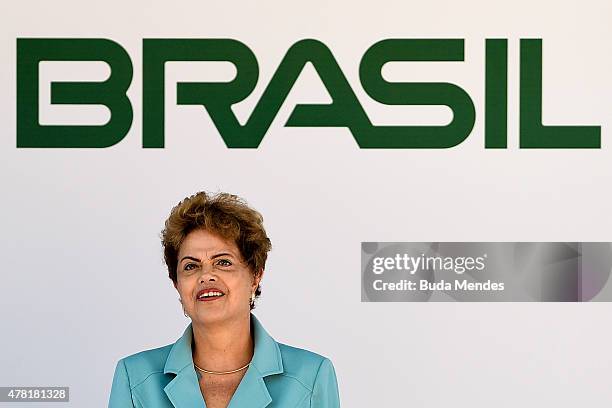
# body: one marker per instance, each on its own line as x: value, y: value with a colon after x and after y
x: 223, y: 347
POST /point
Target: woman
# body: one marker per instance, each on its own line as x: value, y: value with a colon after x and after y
x: 215, y: 248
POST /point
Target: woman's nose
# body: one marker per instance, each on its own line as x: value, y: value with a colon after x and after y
x: 207, y: 278
x: 207, y: 274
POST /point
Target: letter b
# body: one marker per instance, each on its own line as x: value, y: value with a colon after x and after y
x: 110, y: 93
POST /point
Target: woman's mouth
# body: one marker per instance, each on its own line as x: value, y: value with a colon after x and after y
x: 208, y: 295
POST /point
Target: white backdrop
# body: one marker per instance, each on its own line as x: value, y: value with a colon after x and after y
x: 83, y: 280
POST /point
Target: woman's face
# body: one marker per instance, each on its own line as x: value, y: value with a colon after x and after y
x: 214, y: 283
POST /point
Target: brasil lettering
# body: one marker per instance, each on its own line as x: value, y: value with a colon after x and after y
x: 344, y: 111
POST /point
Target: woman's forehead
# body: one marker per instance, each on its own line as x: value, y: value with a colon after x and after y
x: 204, y: 242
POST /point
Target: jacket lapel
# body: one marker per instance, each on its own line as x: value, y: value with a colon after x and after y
x: 184, y: 389
x: 252, y: 392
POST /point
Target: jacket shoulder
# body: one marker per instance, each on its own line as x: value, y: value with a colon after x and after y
x: 301, y: 364
x: 141, y: 365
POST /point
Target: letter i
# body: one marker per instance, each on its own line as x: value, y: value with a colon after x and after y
x: 496, y: 94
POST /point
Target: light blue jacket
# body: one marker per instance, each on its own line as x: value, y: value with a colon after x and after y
x: 279, y: 376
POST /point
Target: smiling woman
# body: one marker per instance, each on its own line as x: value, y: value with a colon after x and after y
x: 215, y: 248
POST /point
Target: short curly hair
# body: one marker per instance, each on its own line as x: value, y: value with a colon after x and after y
x: 224, y: 214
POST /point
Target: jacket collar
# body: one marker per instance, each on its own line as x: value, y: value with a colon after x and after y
x: 184, y: 389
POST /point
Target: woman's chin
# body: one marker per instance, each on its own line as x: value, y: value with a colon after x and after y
x: 207, y: 317
x: 213, y: 317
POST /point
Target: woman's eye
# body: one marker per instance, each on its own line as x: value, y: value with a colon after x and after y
x: 224, y: 262
x: 189, y: 266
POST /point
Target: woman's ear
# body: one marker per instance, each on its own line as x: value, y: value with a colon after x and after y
x: 257, y: 279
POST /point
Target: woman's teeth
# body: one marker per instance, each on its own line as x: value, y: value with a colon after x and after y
x: 210, y: 294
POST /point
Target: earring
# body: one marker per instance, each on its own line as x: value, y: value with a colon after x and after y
x: 252, y: 299
x: 181, y: 302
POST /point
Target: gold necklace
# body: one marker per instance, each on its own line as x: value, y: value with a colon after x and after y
x: 221, y: 372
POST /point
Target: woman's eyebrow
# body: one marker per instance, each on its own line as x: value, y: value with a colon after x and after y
x: 189, y: 257
x: 221, y: 254
x: 211, y: 258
